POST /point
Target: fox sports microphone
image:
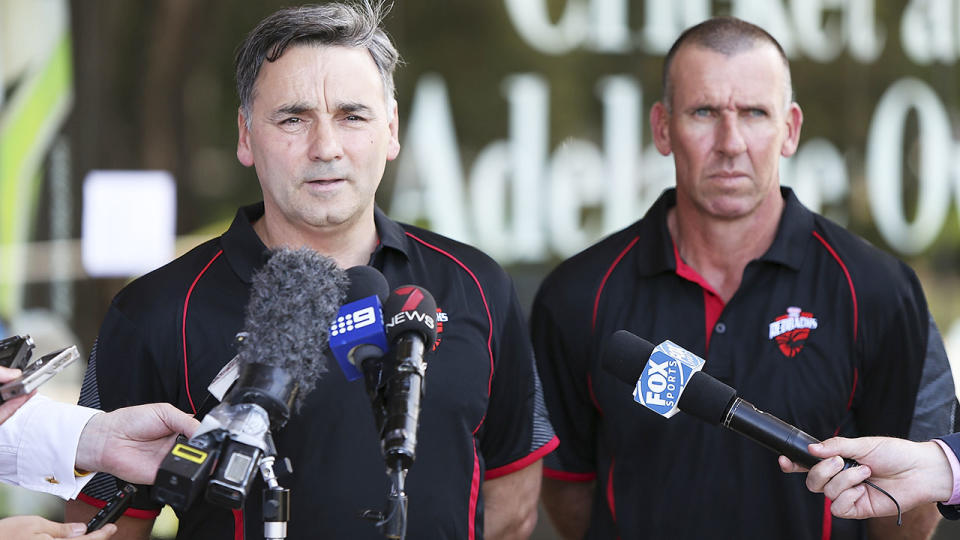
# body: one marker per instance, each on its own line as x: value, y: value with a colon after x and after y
x: 671, y: 380
x: 357, y: 336
x: 280, y: 357
x: 410, y: 314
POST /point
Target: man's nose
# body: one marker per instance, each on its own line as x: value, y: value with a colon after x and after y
x: 325, y: 144
x: 730, y: 138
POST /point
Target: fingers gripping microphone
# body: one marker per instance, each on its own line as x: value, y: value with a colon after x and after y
x: 411, y: 327
x: 671, y: 380
x: 280, y: 357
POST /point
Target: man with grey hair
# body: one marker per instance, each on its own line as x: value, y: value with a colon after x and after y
x: 318, y: 122
x: 804, y: 319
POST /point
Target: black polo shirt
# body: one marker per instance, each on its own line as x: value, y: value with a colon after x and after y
x: 168, y: 333
x: 825, y: 332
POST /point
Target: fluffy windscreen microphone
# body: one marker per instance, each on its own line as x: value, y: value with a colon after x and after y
x: 293, y: 299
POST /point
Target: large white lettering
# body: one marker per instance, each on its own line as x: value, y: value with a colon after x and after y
x: 818, y: 29
x: 429, y: 183
x: 885, y: 166
x: 928, y: 31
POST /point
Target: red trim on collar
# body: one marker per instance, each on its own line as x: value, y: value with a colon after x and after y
x: 712, y: 303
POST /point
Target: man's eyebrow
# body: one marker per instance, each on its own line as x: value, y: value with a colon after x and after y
x: 353, y: 107
x: 290, y: 109
x: 293, y: 109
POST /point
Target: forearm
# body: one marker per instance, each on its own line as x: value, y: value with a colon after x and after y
x: 568, y: 504
x: 510, y: 504
x: 918, y: 524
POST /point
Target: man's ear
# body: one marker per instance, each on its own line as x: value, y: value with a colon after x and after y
x: 794, y: 122
x: 244, y: 151
x: 660, y: 127
x: 393, y: 149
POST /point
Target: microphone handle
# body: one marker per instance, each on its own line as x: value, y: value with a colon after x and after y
x: 773, y: 433
x: 404, y: 390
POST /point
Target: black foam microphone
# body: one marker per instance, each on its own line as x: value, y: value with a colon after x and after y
x: 671, y: 380
x: 410, y: 318
x: 280, y: 358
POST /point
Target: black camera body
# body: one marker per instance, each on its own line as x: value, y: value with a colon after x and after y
x: 183, y: 473
x: 224, y: 455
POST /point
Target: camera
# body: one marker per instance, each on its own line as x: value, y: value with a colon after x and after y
x: 224, y: 455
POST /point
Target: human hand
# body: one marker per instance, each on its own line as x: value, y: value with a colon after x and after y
x: 913, y: 473
x: 130, y: 443
x: 37, y: 528
x: 9, y: 407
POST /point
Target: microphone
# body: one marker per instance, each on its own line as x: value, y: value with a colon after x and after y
x: 281, y: 355
x: 411, y: 327
x: 672, y: 380
x: 357, y: 334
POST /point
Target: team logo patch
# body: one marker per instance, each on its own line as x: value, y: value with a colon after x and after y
x: 441, y: 319
x: 792, y: 330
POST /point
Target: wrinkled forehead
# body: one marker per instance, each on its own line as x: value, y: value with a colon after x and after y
x: 756, y: 74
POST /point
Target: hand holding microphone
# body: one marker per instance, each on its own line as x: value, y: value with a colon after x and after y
x: 671, y: 380
x: 280, y: 357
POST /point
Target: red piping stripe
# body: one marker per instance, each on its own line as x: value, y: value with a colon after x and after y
x: 827, y: 519
x: 593, y: 397
x: 238, y: 524
x: 475, y: 484
x: 853, y: 292
x: 186, y: 304
x: 569, y: 476
x: 474, y: 495
x: 610, y: 497
x: 603, y: 282
x: 137, y: 513
x: 524, y: 462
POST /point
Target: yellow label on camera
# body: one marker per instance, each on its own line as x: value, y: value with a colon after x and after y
x: 189, y: 453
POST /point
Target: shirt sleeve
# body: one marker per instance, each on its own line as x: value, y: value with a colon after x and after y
x: 907, y: 385
x: 38, y: 447
x: 517, y: 431
x: 563, y: 368
x: 121, y: 372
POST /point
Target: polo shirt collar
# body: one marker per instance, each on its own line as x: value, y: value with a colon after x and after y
x: 656, y: 244
x: 793, y: 232
x: 391, y: 234
x: 241, y: 246
x: 247, y: 253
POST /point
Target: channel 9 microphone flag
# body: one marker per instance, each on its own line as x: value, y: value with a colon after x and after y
x: 280, y: 357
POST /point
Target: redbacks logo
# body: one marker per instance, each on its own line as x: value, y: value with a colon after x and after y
x: 441, y: 319
x: 792, y: 330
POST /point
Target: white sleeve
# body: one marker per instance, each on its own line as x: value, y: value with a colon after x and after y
x: 38, y: 446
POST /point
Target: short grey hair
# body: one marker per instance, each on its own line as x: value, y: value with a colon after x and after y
x: 727, y: 36
x: 353, y: 24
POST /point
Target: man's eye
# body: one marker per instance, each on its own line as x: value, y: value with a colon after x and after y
x: 703, y: 111
x: 290, y: 121
x: 756, y: 113
x: 354, y: 118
